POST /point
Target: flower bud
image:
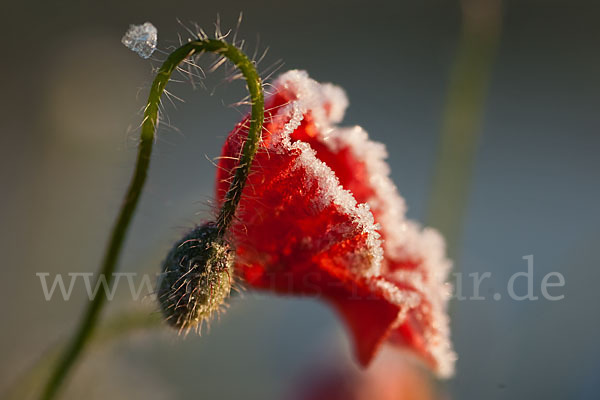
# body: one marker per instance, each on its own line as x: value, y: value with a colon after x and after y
x: 196, y: 277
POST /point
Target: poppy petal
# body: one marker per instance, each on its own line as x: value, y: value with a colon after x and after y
x: 320, y: 216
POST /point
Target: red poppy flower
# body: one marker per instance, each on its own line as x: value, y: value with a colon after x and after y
x: 320, y: 216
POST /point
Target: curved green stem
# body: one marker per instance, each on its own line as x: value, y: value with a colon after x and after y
x: 234, y: 194
x: 237, y: 57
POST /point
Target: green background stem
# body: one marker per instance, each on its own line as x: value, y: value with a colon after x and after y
x: 116, y: 326
x: 462, y: 118
x: 115, y: 244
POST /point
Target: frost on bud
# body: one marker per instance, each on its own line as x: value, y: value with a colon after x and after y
x: 196, y: 277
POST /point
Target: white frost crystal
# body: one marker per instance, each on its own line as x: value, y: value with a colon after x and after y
x: 141, y: 39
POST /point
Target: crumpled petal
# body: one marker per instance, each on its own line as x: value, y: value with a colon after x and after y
x: 320, y: 216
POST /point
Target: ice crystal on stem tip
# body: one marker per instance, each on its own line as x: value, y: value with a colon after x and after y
x: 320, y: 216
x: 142, y: 39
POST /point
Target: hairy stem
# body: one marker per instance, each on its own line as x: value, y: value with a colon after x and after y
x: 115, y: 244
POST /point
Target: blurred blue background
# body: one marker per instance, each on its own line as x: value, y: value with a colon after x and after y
x: 70, y: 101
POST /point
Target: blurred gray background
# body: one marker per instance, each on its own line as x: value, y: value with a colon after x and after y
x: 70, y: 101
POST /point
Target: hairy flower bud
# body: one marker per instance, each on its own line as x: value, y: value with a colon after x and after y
x: 196, y: 277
